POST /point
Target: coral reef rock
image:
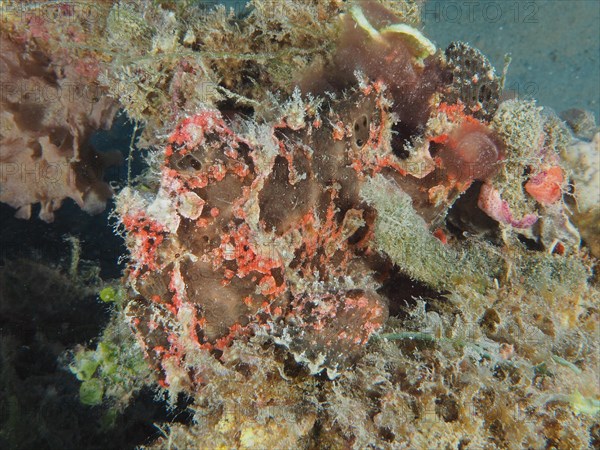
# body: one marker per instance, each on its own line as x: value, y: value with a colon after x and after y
x: 50, y: 106
x: 360, y: 246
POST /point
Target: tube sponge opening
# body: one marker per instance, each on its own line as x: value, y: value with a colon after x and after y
x: 472, y: 152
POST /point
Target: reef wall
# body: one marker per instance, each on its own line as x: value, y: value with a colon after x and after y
x: 346, y: 237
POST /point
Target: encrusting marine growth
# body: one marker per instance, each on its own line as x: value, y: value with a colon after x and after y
x: 356, y: 243
x: 260, y: 228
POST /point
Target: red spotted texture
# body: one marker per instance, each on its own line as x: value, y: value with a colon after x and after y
x: 271, y: 237
x: 265, y: 231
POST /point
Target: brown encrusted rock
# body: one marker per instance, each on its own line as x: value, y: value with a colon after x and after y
x: 48, y: 114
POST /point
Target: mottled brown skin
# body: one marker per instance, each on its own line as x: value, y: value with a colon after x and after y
x: 310, y: 198
x: 411, y: 86
x: 410, y: 83
x: 327, y: 167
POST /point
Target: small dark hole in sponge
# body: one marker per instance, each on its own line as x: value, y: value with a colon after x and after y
x: 186, y: 162
x: 361, y: 130
x: 195, y: 164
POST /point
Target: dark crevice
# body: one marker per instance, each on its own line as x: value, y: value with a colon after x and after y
x: 465, y: 218
x: 401, y: 134
x: 403, y: 293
